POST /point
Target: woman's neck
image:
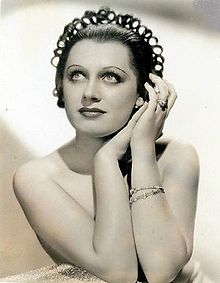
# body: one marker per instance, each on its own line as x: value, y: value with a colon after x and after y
x: 87, y: 146
x: 84, y: 149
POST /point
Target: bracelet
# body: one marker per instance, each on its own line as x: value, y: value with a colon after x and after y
x: 135, y: 190
x: 145, y: 195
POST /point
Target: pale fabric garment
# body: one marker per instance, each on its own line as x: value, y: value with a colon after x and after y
x: 66, y: 272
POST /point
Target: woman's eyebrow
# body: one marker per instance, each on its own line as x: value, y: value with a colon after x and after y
x: 115, y: 68
x: 107, y: 67
x: 75, y: 65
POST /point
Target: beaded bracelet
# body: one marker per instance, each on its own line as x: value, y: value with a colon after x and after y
x: 135, y: 190
x: 145, y: 195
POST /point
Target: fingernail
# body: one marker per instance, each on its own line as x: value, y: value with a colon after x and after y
x: 146, y: 85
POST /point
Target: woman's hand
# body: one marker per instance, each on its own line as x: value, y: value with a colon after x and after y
x: 146, y: 124
x: 117, y: 146
x: 149, y: 127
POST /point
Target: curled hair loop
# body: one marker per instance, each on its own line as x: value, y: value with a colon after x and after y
x: 54, y: 61
x: 102, y: 15
x: 58, y: 52
x: 68, y: 28
x: 119, y: 20
x: 86, y: 20
x: 94, y: 20
x: 147, y: 35
x: 158, y: 68
x: 61, y: 43
x: 136, y: 24
x: 160, y: 59
x: 111, y: 16
x: 142, y: 30
x: 79, y: 25
x: 157, y: 49
x: 153, y: 41
x: 128, y: 18
x: 75, y: 21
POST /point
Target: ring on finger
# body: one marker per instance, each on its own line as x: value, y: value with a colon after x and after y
x: 162, y: 103
x: 156, y: 89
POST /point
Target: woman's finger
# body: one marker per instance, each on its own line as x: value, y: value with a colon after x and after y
x: 162, y: 91
x: 172, y: 97
x: 153, y: 97
x: 162, y: 87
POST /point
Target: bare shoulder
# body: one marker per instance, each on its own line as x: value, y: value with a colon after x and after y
x: 178, y: 155
x: 180, y: 150
x: 36, y: 171
x: 180, y: 164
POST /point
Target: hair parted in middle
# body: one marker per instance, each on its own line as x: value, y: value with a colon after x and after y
x: 105, y: 26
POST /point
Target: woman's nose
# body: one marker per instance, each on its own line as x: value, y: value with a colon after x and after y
x: 91, y: 92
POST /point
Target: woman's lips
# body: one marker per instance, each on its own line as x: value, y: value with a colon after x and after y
x: 91, y: 112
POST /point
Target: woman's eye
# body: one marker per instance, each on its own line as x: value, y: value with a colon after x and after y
x: 76, y: 76
x: 113, y: 78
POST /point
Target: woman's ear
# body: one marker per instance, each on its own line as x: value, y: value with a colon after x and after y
x: 139, y: 102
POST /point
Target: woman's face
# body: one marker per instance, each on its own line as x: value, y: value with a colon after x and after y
x: 99, y: 86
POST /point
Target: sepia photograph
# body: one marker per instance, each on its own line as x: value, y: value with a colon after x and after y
x: 109, y: 133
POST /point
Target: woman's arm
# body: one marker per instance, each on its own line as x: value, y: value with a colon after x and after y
x: 113, y: 235
x: 163, y: 225
x: 104, y: 247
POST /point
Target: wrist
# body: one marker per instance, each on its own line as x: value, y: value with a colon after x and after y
x: 143, y: 149
x: 105, y: 156
x: 140, y: 142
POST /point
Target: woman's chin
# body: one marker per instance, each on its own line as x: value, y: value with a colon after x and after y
x: 104, y: 134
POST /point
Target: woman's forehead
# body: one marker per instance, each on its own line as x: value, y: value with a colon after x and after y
x: 91, y: 52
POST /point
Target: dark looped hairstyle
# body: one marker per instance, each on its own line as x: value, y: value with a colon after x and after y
x: 102, y: 26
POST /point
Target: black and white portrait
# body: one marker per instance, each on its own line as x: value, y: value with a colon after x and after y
x: 109, y: 141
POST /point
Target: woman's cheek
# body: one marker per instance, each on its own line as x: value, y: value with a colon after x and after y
x: 123, y: 114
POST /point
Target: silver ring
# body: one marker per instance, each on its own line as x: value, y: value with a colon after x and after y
x: 162, y: 103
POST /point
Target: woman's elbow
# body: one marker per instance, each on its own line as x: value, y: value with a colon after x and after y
x: 163, y: 276
x: 128, y: 277
x: 126, y: 273
x: 176, y: 262
x: 168, y: 268
x: 125, y: 276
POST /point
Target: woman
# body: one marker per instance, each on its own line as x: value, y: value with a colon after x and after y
x: 116, y: 200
